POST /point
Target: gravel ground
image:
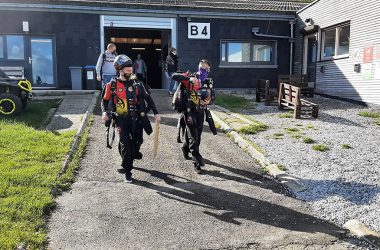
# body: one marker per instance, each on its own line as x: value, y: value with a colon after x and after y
x: 342, y: 184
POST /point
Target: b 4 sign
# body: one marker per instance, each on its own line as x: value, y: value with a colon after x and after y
x: 198, y: 30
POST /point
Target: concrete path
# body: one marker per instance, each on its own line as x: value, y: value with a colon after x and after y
x: 70, y: 112
x: 169, y: 206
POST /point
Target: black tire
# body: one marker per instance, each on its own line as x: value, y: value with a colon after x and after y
x: 10, y: 104
x: 24, y: 103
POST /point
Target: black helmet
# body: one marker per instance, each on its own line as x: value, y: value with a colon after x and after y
x: 122, y: 61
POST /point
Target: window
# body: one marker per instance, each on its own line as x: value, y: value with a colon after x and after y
x: 15, y: 47
x: 336, y: 41
x: 1, y: 47
x: 235, y: 53
x: 262, y: 53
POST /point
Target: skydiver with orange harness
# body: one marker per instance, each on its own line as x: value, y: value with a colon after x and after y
x: 191, y: 100
x: 129, y: 112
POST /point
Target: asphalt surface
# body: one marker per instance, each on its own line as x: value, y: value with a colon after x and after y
x: 230, y: 206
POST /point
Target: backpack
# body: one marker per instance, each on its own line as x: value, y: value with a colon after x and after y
x: 104, y: 57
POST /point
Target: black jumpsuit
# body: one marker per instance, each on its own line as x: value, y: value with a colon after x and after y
x: 130, y: 123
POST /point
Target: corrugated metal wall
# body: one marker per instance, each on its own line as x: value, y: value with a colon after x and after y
x: 339, y: 78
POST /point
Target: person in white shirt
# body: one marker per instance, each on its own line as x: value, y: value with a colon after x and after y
x: 105, y: 70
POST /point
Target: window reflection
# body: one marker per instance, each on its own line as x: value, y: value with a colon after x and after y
x: 344, y: 40
x: 42, y: 61
x: 329, y: 48
x: 262, y: 53
x: 15, y: 47
x: 239, y: 52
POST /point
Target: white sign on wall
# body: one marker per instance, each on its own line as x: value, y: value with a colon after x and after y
x: 198, y: 30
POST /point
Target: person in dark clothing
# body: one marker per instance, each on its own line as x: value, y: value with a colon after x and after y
x: 197, y: 96
x: 128, y: 98
x: 171, y: 66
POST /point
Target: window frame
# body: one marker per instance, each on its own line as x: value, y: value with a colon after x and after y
x: 5, y: 47
x: 336, y: 49
x: 2, y: 37
x: 251, y: 64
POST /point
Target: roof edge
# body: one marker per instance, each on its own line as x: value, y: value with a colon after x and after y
x: 307, y: 6
x: 139, y: 11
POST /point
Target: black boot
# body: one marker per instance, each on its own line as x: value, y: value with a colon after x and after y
x: 198, y: 159
x: 128, y: 177
x: 185, y: 154
x: 138, y: 155
x: 197, y: 168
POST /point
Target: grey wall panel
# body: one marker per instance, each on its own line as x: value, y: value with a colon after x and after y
x: 191, y: 51
x: 339, y: 78
x: 77, y: 36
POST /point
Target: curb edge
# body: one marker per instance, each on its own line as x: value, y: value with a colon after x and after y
x: 79, y: 133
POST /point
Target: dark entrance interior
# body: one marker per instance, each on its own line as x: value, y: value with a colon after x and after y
x: 152, y: 45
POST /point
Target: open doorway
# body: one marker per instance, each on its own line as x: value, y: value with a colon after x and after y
x: 152, y: 45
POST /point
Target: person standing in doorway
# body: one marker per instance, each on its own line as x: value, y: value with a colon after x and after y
x: 105, y: 70
x: 171, y: 66
x: 140, y: 68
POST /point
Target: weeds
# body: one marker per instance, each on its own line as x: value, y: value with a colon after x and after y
x: 320, y: 147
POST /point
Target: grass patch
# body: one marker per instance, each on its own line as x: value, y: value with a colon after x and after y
x: 308, y: 140
x: 30, y: 163
x: 371, y: 114
x: 286, y: 115
x: 310, y: 126
x: 278, y: 136
x: 253, y: 128
x: 320, y: 147
x: 233, y: 102
x: 377, y: 123
x: 292, y: 130
x: 230, y: 136
x: 234, y: 120
x: 346, y: 146
x: 281, y: 167
x: 296, y: 136
x: 254, y: 145
x: 34, y: 113
x: 299, y: 125
x: 217, y: 125
x: 265, y: 170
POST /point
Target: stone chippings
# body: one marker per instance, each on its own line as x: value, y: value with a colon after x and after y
x: 342, y: 184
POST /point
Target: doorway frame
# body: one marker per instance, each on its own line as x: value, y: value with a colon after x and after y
x: 141, y: 22
x: 306, y: 52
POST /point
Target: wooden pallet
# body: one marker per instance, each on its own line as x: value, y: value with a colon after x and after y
x: 263, y: 91
x: 289, y: 97
x: 300, y: 81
